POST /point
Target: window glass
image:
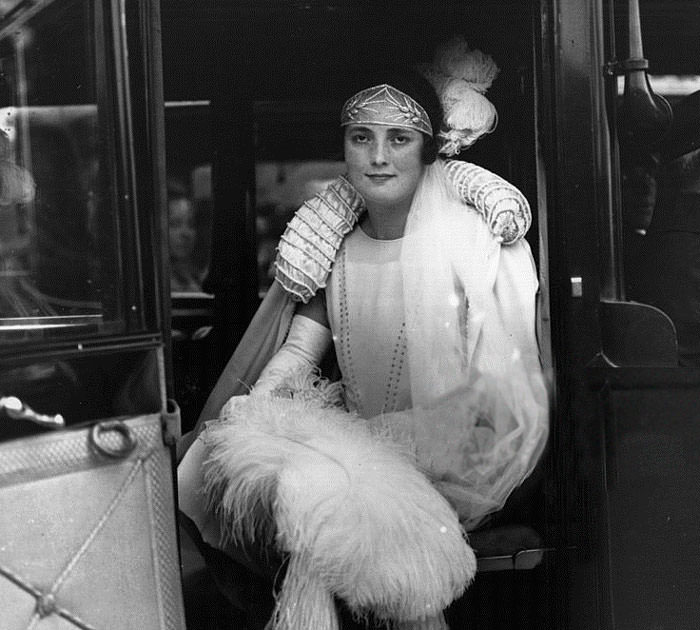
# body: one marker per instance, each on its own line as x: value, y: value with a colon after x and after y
x: 190, y: 202
x: 660, y: 179
x: 189, y: 151
x: 641, y: 170
x: 60, y: 254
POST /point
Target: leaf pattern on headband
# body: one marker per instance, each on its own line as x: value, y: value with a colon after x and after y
x: 385, y: 105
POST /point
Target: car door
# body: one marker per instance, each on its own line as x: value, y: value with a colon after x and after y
x: 87, y: 517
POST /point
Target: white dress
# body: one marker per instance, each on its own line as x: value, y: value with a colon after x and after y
x: 435, y: 338
x: 366, y: 315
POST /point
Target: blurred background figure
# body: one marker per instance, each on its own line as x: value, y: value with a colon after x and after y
x: 639, y: 175
x: 185, y: 275
x: 202, y: 198
x: 669, y: 268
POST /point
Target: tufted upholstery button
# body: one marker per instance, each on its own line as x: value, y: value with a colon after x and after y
x: 45, y: 605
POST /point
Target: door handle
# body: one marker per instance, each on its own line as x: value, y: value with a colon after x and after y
x: 14, y: 409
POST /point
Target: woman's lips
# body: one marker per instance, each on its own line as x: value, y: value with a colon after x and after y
x: 380, y: 177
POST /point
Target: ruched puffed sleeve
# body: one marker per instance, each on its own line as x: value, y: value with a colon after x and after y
x: 504, y: 208
x: 308, y: 247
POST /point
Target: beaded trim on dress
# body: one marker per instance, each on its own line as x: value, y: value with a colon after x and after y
x: 396, y: 365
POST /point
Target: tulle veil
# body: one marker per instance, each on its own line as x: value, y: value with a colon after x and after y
x: 479, y: 421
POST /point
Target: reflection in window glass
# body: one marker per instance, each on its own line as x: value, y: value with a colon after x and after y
x: 281, y: 187
x: 660, y: 216
x: 59, y: 250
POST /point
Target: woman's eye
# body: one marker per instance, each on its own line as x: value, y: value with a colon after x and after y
x: 401, y: 139
x: 359, y: 138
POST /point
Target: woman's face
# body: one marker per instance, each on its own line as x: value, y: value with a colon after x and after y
x: 182, y: 232
x: 384, y: 163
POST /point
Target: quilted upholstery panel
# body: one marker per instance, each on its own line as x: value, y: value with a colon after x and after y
x: 88, y: 541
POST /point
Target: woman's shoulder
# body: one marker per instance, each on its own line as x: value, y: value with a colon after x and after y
x: 502, y: 206
x: 310, y: 242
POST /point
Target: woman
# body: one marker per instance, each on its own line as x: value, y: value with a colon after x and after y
x: 431, y: 319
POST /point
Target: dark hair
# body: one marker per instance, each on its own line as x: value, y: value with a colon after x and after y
x: 176, y: 189
x: 415, y: 85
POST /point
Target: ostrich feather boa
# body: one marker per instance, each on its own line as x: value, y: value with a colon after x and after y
x: 354, y: 515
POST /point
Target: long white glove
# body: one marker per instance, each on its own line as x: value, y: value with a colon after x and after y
x: 305, y: 346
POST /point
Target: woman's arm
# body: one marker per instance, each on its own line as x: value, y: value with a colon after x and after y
x: 502, y: 206
x: 307, y: 342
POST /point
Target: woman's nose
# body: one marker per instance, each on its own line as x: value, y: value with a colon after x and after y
x: 379, y: 153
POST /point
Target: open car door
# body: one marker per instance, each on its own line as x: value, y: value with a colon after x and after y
x: 87, y: 497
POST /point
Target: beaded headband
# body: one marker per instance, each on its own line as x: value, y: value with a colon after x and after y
x: 385, y: 105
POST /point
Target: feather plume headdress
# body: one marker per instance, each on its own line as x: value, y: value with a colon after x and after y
x: 461, y: 78
x: 354, y: 515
